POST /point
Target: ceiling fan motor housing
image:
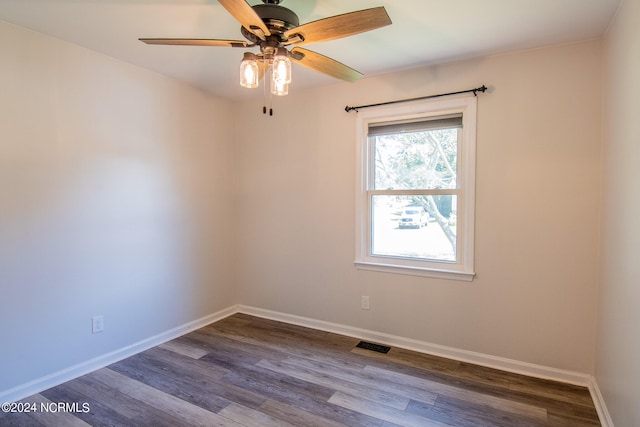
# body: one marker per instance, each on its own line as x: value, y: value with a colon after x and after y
x: 277, y: 18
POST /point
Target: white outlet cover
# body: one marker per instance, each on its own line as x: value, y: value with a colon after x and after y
x: 97, y: 324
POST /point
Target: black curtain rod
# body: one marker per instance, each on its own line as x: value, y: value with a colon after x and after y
x: 475, y: 91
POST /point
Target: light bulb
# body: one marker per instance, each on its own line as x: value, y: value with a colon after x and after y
x: 249, y: 72
x: 279, y: 88
x: 282, y: 69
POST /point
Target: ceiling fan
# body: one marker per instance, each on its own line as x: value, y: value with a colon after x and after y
x: 274, y: 29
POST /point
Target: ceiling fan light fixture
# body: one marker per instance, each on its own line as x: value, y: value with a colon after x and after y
x: 279, y: 88
x: 249, y: 71
x: 282, y: 66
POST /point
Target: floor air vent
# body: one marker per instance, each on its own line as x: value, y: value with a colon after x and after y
x: 374, y: 347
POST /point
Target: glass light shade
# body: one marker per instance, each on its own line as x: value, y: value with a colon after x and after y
x: 279, y: 88
x: 282, y: 68
x: 249, y: 71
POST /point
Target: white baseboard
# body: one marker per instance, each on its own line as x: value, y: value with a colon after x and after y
x: 501, y: 363
x: 40, y: 384
x: 601, y: 407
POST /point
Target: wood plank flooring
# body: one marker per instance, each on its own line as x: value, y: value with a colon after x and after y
x: 247, y: 371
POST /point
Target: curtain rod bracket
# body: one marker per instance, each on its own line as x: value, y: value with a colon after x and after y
x: 475, y: 91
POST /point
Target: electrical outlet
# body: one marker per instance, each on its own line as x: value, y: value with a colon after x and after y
x: 97, y: 324
x: 364, y: 304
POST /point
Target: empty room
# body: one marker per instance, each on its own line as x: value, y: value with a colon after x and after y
x: 319, y: 213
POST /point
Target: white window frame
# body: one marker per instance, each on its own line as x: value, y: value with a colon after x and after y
x: 463, y: 267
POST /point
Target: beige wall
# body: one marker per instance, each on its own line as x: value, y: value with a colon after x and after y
x: 618, y: 346
x: 116, y: 199
x: 538, y: 164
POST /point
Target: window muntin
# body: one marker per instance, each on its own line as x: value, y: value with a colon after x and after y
x: 421, y: 157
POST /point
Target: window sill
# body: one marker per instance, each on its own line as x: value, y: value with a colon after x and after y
x: 415, y: 271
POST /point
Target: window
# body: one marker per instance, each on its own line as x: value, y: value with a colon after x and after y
x: 416, y: 185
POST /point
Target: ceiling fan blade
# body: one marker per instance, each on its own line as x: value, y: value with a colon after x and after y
x: 196, y: 42
x: 339, y: 26
x: 324, y: 64
x: 245, y: 15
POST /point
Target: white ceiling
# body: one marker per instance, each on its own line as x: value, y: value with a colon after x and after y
x: 423, y: 32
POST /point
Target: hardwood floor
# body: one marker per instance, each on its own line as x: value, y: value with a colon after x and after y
x: 247, y: 371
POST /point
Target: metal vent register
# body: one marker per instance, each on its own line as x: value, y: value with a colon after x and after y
x: 373, y: 347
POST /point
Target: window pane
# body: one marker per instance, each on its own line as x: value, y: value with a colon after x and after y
x: 420, y: 227
x: 424, y: 160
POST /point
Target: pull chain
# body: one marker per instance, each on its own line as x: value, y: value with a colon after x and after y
x: 270, y: 91
x: 267, y: 78
x: 264, y: 94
